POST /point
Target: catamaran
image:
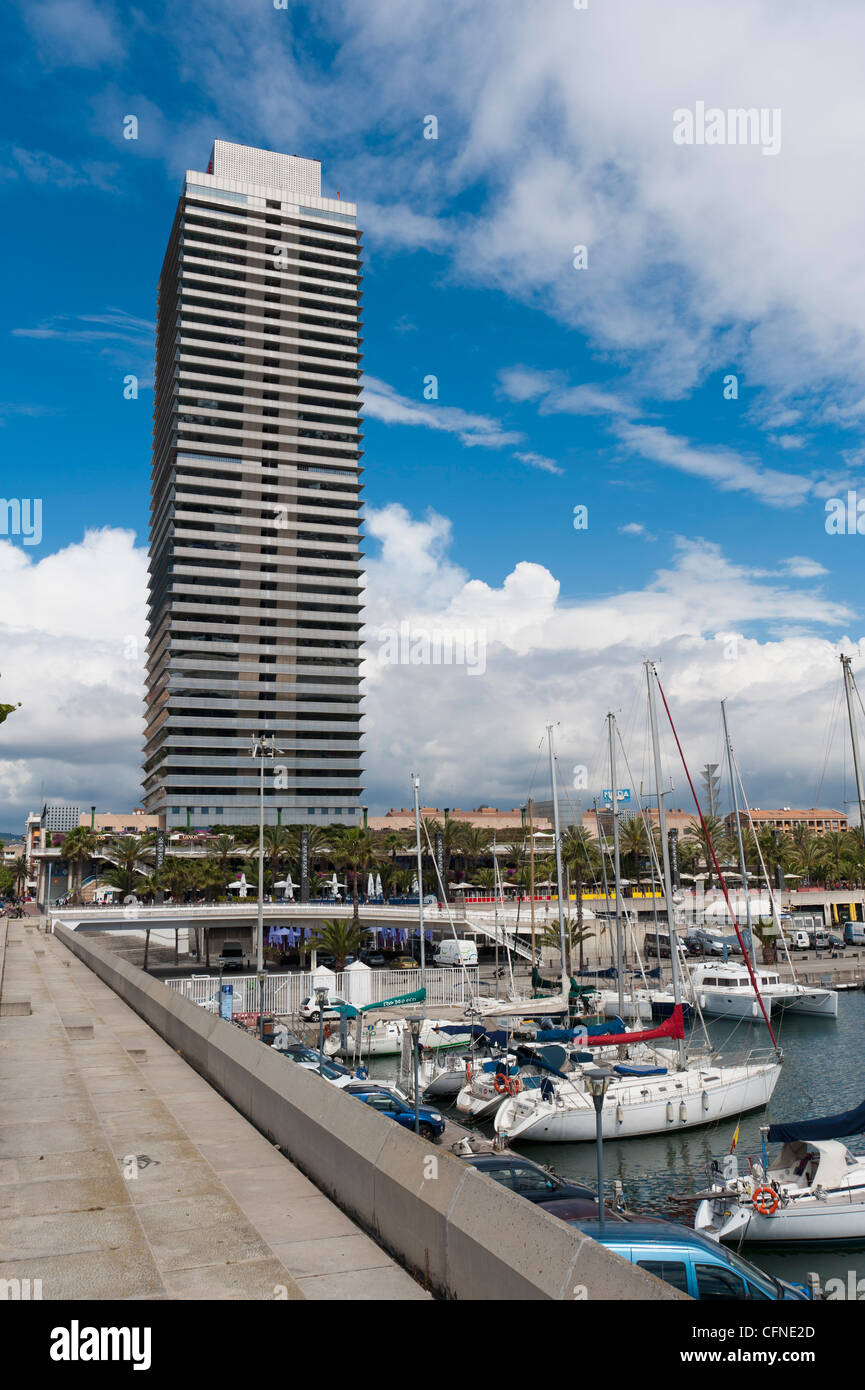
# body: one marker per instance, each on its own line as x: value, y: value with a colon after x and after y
x: 724, y: 991
x: 647, y: 1095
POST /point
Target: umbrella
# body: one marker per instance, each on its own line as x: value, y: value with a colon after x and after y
x: 370, y: 887
x: 414, y: 887
x: 378, y: 888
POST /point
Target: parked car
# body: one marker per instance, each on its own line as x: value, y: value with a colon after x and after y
x: 711, y: 943
x: 373, y: 958
x: 357, y: 1087
x: 836, y: 943
x: 691, y: 1262
x: 430, y: 1123
x: 533, y: 1182
x: 313, y: 1057
x: 231, y: 957
x: 337, y: 1076
x: 799, y: 941
x: 854, y: 933
x: 334, y: 1007
x: 404, y: 963
x: 576, y: 1210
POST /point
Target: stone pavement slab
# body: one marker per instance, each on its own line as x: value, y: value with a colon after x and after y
x: 123, y: 1174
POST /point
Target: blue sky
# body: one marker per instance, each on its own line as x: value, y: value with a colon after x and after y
x: 556, y: 386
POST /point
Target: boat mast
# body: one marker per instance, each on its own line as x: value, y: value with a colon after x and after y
x: 665, y: 851
x: 742, y: 869
x: 857, y: 766
x: 532, y: 873
x: 614, y: 793
x: 558, y: 851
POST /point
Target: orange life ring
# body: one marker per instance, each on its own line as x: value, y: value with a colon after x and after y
x: 765, y: 1200
x: 513, y: 1085
x: 468, y: 1071
x: 501, y: 1083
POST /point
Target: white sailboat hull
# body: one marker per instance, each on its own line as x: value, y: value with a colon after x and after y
x: 639, y: 1008
x: 385, y: 1038
x: 842, y: 1221
x: 638, y: 1107
x: 446, y: 1082
x: 822, y: 1003
x: 479, y: 1106
x: 717, y: 1003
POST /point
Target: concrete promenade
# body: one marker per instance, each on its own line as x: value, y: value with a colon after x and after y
x: 124, y: 1175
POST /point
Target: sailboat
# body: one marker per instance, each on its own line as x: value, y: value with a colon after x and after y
x: 647, y: 1095
x: 814, y: 1191
x: 724, y: 990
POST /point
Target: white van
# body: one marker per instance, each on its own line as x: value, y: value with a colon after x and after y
x: 456, y: 953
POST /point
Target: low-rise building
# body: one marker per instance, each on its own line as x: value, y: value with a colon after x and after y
x: 482, y: 817
x: 818, y: 820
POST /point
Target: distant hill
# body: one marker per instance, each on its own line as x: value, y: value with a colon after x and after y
x: 10, y: 836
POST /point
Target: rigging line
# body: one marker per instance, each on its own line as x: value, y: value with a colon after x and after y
x: 721, y: 878
x: 830, y: 739
x: 772, y: 899
x: 675, y: 945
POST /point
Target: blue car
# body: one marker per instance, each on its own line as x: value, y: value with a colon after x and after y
x: 430, y: 1123
x: 690, y: 1262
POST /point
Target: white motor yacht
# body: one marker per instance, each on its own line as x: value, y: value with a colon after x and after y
x: 724, y: 990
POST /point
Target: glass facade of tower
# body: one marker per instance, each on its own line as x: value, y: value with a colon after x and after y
x: 255, y: 564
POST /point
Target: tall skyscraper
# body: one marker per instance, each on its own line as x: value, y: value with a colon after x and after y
x: 254, y: 596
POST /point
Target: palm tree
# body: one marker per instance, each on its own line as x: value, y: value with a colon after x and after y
x: 765, y: 931
x: 715, y: 829
x: 78, y: 846
x: 223, y: 847
x: 278, y: 844
x: 20, y: 870
x: 835, y: 850
x: 634, y: 845
x: 393, y: 843
x: 126, y: 878
x: 129, y: 852
x: 176, y: 875
x: 475, y: 844
x: 580, y: 851
x: 575, y: 935
x: 337, y: 938
x: 353, y: 849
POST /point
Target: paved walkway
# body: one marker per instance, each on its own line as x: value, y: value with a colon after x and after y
x: 123, y: 1174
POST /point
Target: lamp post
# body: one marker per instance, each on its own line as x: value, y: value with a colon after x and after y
x: 414, y: 1029
x: 321, y: 998
x: 415, y: 782
x: 262, y: 747
x: 598, y: 1081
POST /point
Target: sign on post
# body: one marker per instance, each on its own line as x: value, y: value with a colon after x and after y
x: 304, y: 865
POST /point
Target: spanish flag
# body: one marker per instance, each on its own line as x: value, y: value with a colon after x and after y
x: 735, y: 1138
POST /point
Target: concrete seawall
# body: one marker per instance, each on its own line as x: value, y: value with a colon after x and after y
x: 462, y: 1234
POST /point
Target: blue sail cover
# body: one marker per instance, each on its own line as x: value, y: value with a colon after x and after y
x: 475, y: 1030
x: 594, y: 1030
x: 829, y: 1127
x: 611, y: 973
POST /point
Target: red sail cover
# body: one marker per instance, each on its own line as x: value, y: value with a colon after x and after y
x: 673, y: 1028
